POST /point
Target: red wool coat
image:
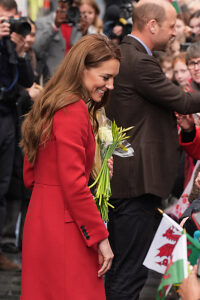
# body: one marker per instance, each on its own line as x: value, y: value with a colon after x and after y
x: 63, y: 225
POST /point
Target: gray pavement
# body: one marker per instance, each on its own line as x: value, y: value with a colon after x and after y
x: 10, y: 284
x: 10, y: 281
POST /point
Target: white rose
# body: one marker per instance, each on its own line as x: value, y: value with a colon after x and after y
x: 105, y: 135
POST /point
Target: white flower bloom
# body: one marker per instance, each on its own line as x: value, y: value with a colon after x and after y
x: 105, y: 135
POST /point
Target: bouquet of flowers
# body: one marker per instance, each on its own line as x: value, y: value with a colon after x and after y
x: 111, y: 140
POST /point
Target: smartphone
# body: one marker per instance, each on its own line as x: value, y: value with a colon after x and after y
x: 196, y: 219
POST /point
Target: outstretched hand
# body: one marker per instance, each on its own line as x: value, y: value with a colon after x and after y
x: 190, y: 287
x: 186, y: 122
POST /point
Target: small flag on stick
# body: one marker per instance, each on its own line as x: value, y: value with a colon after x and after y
x: 165, y: 239
x: 177, y: 268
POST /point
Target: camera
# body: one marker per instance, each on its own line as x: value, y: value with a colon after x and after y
x: 19, y: 25
x: 126, y: 10
x: 73, y: 13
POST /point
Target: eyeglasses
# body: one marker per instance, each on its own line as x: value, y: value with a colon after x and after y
x: 192, y: 64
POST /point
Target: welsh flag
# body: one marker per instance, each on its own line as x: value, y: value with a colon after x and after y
x: 165, y: 239
x: 193, y: 248
x: 177, y: 268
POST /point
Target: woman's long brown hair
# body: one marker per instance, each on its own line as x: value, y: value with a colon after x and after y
x: 65, y: 87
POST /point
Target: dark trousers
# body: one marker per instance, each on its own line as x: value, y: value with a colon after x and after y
x: 7, y: 151
x: 131, y: 226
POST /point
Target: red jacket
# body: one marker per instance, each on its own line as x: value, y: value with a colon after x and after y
x: 63, y: 225
x: 192, y: 148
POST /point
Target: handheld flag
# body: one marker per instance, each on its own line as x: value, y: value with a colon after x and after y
x: 177, y: 268
x: 165, y: 239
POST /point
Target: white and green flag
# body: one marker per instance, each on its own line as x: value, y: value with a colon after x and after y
x: 162, y: 246
x: 177, y: 268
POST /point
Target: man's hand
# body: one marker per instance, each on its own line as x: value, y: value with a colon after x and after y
x: 4, y: 27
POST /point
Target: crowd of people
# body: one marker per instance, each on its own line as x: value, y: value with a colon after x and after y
x: 140, y: 63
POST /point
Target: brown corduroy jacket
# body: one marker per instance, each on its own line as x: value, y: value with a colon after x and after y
x: 143, y: 97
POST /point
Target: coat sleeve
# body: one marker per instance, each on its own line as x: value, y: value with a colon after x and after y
x: 28, y: 174
x: 45, y: 29
x: 161, y: 91
x: 26, y: 74
x: 193, y: 147
x: 71, y: 132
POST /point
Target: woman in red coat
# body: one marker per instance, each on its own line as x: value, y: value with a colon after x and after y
x: 65, y: 242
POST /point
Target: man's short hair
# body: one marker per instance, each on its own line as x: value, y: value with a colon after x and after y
x: 8, y: 4
x: 143, y: 13
x: 193, y: 51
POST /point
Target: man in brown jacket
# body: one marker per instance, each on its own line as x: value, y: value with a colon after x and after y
x: 145, y: 98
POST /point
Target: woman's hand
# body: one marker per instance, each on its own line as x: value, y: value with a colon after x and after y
x: 110, y: 166
x: 105, y: 257
x: 190, y: 287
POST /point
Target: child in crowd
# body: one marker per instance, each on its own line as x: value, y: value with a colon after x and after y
x: 181, y: 72
x: 90, y: 12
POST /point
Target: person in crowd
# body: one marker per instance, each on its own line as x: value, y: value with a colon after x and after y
x: 118, y: 21
x: 90, y: 12
x: 181, y: 29
x: 17, y: 197
x: 165, y: 61
x: 63, y: 228
x: 144, y: 98
x: 59, y: 37
x: 193, y: 5
x: 193, y: 63
x: 15, y: 69
x: 194, y: 23
x: 181, y: 73
x: 28, y: 47
x: 111, y: 26
x: 174, y: 47
x: 182, y: 77
x: 187, y: 122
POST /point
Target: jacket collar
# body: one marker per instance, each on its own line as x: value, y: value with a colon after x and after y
x: 130, y: 40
